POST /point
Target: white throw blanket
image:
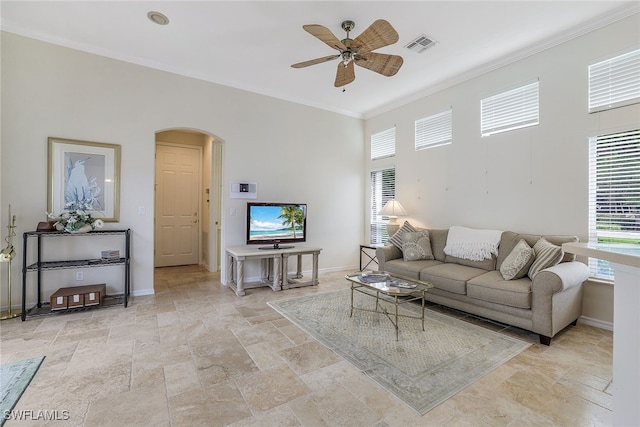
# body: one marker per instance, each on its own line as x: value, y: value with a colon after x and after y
x: 472, y: 244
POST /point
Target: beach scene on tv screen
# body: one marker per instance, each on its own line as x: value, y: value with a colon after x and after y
x: 276, y: 222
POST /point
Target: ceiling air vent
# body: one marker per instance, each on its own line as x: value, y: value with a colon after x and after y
x: 420, y: 44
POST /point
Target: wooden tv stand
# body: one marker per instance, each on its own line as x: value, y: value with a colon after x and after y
x: 274, y: 267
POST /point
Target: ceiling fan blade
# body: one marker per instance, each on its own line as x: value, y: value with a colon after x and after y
x: 325, y: 35
x: 345, y: 75
x: 315, y: 61
x: 379, y: 34
x: 387, y: 65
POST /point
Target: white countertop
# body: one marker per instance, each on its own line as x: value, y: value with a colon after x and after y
x: 617, y: 253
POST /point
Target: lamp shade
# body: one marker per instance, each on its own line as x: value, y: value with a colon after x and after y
x: 393, y: 208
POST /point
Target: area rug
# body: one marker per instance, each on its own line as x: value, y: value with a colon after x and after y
x: 14, y: 379
x: 422, y: 368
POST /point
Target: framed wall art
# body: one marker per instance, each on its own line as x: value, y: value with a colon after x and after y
x: 86, y: 174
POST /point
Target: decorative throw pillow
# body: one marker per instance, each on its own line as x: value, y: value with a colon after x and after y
x: 396, y: 239
x: 517, y: 263
x: 416, y: 245
x: 547, y: 255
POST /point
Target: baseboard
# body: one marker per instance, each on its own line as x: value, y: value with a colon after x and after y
x: 596, y: 323
x: 346, y: 269
x: 14, y: 307
x: 142, y: 293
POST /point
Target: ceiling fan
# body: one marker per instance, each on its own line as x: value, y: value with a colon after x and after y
x: 358, y: 50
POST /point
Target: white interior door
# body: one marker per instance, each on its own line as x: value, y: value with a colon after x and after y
x: 177, y: 210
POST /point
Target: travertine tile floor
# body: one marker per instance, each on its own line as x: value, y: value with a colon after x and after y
x: 195, y: 354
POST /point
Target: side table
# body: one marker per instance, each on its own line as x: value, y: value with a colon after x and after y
x: 275, y: 263
x: 370, y: 258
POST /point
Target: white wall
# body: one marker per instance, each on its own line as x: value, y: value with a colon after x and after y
x: 533, y: 180
x: 293, y: 152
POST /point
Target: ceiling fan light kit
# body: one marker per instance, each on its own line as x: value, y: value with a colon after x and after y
x: 358, y: 50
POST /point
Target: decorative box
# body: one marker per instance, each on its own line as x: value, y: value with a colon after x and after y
x: 78, y: 296
x: 111, y: 254
x: 75, y: 300
x: 58, y: 302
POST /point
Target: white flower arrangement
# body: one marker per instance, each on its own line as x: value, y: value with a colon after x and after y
x: 75, y: 216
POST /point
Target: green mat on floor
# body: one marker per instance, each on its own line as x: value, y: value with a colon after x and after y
x: 14, y: 380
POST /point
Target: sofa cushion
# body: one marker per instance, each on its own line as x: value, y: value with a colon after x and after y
x: 386, y: 253
x: 559, y: 240
x: 485, y: 264
x: 472, y: 243
x: 547, y: 255
x: 510, y: 239
x: 491, y: 287
x: 517, y: 263
x: 416, y: 246
x: 396, y: 239
x: 438, y: 242
x: 409, y: 269
x: 450, y: 277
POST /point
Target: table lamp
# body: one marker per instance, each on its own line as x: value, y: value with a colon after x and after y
x: 393, y: 209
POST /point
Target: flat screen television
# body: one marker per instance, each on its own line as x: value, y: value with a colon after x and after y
x: 274, y: 224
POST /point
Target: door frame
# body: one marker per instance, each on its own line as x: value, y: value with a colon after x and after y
x: 216, y: 250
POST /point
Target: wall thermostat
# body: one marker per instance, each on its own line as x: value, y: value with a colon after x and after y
x: 243, y: 190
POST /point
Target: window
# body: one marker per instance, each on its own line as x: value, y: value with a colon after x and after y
x: 383, y: 182
x: 434, y: 130
x: 614, y: 193
x: 383, y: 144
x: 383, y: 189
x: 615, y: 82
x: 513, y: 109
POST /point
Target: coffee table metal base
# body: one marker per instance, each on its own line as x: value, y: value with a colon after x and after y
x: 396, y: 300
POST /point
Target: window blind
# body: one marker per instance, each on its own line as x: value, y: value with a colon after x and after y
x: 433, y: 131
x: 383, y: 189
x: 513, y: 109
x: 383, y: 144
x: 614, y: 82
x: 614, y: 193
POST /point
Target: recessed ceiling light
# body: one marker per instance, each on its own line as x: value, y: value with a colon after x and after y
x: 157, y: 18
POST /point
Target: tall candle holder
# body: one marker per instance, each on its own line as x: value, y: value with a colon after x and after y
x: 6, y: 255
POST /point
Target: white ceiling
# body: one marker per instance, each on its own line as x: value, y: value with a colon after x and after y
x: 251, y: 44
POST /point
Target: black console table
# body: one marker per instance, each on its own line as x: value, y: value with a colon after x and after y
x: 40, y: 265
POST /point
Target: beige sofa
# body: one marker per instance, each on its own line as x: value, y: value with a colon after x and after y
x: 545, y: 305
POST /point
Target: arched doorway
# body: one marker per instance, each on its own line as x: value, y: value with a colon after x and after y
x: 187, y: 199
